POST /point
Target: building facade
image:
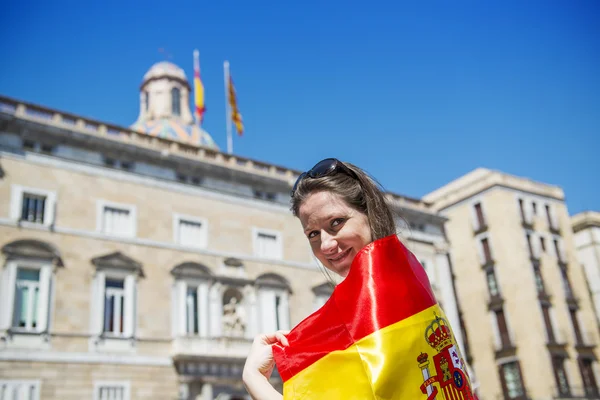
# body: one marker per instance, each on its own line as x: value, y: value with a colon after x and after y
x: 140, y: 262
x: 526, y: 307
x: 586, y: 227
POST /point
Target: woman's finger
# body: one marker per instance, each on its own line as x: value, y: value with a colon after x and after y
x: 275, y: 337
x: 282, y: 339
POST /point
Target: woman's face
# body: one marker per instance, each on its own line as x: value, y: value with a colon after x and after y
x: 335, y: 230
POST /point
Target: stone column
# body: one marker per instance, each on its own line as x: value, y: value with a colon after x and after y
x: 206, y: 393
x: 184, y: 391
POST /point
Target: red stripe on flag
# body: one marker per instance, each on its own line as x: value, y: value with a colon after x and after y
x: 363, y: 303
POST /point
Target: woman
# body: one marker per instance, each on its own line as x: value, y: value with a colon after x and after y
x: 342, y: 210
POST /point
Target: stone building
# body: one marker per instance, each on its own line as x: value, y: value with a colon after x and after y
x: 586, y: 227
x: 139, y: 263
x: 526, y: 306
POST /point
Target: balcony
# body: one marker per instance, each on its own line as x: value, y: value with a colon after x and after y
x: 527, y: 222
x: 488, y: 263
x: 495, y: 302
x: 572, y: 300
x: 479, y: 227
x: 584, y: 343
x: 575, y: 392
x: 506, y: 348
x: 544, y: 297
x: 221, y: 347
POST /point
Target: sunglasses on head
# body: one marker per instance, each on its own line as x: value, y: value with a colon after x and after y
x: 328, y: 166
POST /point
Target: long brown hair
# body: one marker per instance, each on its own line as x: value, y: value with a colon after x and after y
x: 364, y: 194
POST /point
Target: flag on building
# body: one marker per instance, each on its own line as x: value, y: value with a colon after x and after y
x: 381, y: 335
x: 199, y: 107
x: 236, y: 117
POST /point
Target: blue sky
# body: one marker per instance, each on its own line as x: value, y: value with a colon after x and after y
x: 417, y: 93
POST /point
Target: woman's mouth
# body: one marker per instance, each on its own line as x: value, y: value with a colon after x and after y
x: 340, y: 256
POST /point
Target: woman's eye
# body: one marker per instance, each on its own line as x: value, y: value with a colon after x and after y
x: 337, y: 221
x: 312, y: 234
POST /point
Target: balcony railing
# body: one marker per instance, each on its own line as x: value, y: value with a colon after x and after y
x: 224, y: 347
x: 575, y: 392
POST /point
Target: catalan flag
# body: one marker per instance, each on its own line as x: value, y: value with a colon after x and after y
x: 381, y: 335
x: 236, y: 117
x: 200, y: 109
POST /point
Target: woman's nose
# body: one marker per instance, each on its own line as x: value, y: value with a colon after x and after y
x: 328, y: 243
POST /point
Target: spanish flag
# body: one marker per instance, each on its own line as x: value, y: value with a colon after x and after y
x: 381, y: 335
x: 200, y: 109
x: 236, y: 117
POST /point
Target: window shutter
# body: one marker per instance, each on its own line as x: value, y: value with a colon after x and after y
x: 97, y: 314
x: 267, y: 310
x: 9, y: 276
x: 203, y: 309
x: 216, y: 310
x: 284, y: 311
x: 130, y: 300
x: 480, y: 251
x: 43, y: 298
x: 180, y: 295
x: 174, y: 311
x: 496, y: 330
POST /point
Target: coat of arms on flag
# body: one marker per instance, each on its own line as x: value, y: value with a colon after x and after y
x: 363, y: 342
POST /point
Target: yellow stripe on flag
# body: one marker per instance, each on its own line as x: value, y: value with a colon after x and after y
x: 373, y: 365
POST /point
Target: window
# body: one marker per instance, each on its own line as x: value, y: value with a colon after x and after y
x: 146, y: 101
x: 114, y: 307
x: 539, y: 281
x: 190, y: 231
x: 26, y: 299
x: 32, y: 205
x: 512, y: 382
x: 543, y: 244
x: 522, y: 209
x: 192, y: 299
x: 492, y: 283
x: 116, y: 219
x: 503, y: 329
x: 529, y: 246
x: 176, y: 101
x: 566, y: 283
x: 267, y: 244
x: 29, y: 145
x: 479, y: 216
x: 114, y: 297
x: 485, y: 247
x: 191, y: 310
x: 548, y: 323
x: 26, y: 283
x: 265, y: 195
x: 534, y: 207
x: 559, y: 251
x: 19, y: 390
x: 110, y: 162
x: 273, y: 294
x: 560, y: 375
x: 111, y: 390
x: 576, y: 327
x: 587, y: 375
x: 552, y: 222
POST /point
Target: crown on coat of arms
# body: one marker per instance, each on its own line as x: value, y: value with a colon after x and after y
x: 422, y: 358
x: 438, y: 334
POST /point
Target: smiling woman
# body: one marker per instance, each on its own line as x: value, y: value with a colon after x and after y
x: 375, y: 318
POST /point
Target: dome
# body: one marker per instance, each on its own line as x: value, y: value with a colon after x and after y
x: 165, y: 69
x: 175, y: 130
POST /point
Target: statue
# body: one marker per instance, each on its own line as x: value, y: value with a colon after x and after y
x: 233, y: 323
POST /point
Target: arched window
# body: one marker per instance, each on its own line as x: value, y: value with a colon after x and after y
x: 146, y: 100
x: 27, y: 279
x: 176, y: 101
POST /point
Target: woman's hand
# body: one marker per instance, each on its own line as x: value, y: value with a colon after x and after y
x: 260, y: 363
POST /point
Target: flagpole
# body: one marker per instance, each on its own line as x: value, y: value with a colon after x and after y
x: 227, y: 108
x: 196, y: 68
